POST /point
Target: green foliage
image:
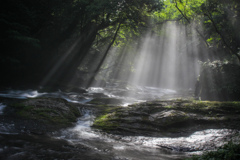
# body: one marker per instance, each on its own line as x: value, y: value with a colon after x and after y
x: 219, y: 80
x: 17, y: 23
x: 208, y: 107
x: 43, y: 31
x: 216, y: 21
x: 229, y: 151
x: 190, y: 9
x: 220, y: 24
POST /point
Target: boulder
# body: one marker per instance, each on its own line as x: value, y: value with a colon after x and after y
x: 41, y: 115
x: 169, y: 118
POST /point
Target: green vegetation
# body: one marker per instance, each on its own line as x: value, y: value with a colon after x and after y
x: 67, y: 41
x: 219, y: 81
x: 229, y: 151
x: 60, y: 113
x: 169, y: 117
x: 106, y: 116
x: 106, y: 122
x: 43, y: 32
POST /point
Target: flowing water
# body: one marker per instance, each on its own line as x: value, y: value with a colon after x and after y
x: 84, y: 142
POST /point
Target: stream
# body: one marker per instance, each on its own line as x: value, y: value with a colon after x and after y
x: 84, y: 142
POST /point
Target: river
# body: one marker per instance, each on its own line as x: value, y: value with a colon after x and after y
x: 84, y: 142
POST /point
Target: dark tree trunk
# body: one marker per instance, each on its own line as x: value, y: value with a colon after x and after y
x: 104, y: 56
x: 64, y: 68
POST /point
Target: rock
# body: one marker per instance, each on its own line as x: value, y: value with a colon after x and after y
x: 98, y: 95
x: 77, y: 90
x: 179, y: 149
x: 41, y: 115
x: 106, y: 101
x: 170, y: 118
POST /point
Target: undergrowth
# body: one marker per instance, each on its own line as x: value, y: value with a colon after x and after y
x: 229, y: 151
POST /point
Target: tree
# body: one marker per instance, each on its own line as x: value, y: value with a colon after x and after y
x: 20, y: 23
x: 219, y: 20
x: 47, y: 31
x: 93, y: 17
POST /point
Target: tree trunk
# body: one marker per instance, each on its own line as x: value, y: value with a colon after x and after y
x: 64, y: 69
x: 104, y: 57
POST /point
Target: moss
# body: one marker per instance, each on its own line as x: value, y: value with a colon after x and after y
x: 106, y: 122
x: 187, y: 114
x: 108, y: 117
x: 168, y: 107
x: 47, y: 110
x: 22, y: 110
x: 229, y: 151
x: 212, y: 107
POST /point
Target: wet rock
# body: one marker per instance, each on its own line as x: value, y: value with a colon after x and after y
x: 132, y: 119
x: 40, y: 115
x: 179, y: 149
x: 98, y: 95
x: 106, y: 101
x: 77, y: 90
x: 170, y: 118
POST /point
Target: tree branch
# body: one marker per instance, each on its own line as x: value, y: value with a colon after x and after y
x: 201, y: 35
x: 222, y: 37
x: 105, y: 55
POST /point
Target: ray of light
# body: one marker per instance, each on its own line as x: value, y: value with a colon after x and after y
x: 56, y: 67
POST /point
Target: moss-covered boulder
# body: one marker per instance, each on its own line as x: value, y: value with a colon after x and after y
x: 42, y: 114
x: 170, y: 118
x: 106, y: 101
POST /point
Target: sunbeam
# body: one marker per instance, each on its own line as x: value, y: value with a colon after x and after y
x: 120, y: 79
x: 168, y: 60
x: 56, y: 67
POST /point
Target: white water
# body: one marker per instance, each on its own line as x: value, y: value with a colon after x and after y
x: 125, y: 94
x: 25, y: 94
x: 124, y: 147
x: 21, y: 94
x: 2, y: 106
x: 142, y: 147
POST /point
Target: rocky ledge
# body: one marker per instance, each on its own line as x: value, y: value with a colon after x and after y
x: 38, y: 115
x: 170, y: 118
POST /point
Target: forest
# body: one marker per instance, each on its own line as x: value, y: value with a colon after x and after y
x: 141, y: 77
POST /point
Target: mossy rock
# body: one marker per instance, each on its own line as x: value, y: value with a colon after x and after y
x: 106, y: 101
x: 159, y: 118
x: 52, y: 111
x: 106, y: 122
